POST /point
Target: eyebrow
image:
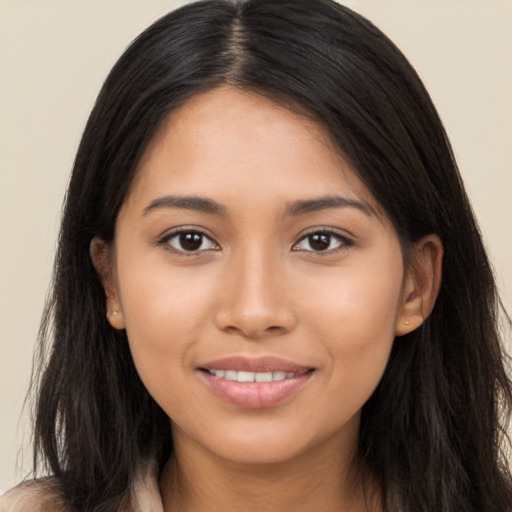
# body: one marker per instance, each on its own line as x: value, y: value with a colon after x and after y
x: 201, y: 204
x: 327, y: 202
x: 210, y: 206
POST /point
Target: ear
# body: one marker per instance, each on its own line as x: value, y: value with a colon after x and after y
x: 421, y: 284
x: 103, y: 260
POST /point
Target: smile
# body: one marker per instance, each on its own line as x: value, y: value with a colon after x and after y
x: 255, y: 383
x: 243, y: 376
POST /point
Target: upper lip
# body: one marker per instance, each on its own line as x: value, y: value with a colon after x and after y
x: 256, y: 365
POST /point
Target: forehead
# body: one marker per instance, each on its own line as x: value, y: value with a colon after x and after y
x: 229, y: 140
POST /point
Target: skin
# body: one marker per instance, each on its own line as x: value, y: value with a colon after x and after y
x: 258, y: 286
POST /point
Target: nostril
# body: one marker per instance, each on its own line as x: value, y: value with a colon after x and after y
x: 254, y: 319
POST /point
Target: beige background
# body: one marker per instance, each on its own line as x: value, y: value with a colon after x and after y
x: 54, y: 55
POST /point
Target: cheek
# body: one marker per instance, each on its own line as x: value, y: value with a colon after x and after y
x: 354, y: 318
x: 165, y: 311
x: 358, y: 303
x: 160, y: 300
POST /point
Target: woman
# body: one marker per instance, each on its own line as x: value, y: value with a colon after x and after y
x: 270, y: 292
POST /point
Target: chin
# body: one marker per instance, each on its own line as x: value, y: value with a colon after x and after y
x: 267, y: 441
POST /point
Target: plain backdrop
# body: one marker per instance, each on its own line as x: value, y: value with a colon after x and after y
x: 54, y: 56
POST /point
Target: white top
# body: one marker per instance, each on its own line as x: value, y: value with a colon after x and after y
x: 42, y: 496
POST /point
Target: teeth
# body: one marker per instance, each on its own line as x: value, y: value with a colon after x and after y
x: 251, y: 376
x: 263, y: 377
x: 245, y: 377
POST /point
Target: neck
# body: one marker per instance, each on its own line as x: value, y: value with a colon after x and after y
x: 327, y: 479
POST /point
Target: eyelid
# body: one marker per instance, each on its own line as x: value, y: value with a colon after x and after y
x: 168, y: 235
x: 346, y: 240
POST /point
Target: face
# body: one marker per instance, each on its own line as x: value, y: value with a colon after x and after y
x: 259, y: 287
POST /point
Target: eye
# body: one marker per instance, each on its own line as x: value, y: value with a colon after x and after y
x: 189, y: 241
x: 322, y: 241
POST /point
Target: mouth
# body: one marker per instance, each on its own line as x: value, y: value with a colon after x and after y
x: 255, y: 383
x: 245, y: 376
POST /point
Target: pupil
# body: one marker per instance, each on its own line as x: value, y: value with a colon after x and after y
x: 191, y: 241
x: 319, y: 241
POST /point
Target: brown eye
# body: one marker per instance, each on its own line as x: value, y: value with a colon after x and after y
x: 319, y: 241
x: 190, y: 241
x: 322, y: 241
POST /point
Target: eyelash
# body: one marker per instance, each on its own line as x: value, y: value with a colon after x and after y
x: 344, y: 242
x: 165, y: 241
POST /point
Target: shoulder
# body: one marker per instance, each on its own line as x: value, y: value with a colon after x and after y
x: 34, y: 496
x: 42, y: 495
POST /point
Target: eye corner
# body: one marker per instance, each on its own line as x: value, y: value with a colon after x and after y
x: 188, y: 241
x: 323, y: 245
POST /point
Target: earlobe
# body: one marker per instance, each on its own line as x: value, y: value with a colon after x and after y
x: 115, y: 318
x: 421, y: 284
x: 102, y: 259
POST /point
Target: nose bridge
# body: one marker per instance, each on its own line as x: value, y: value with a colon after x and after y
x: 254, y: 300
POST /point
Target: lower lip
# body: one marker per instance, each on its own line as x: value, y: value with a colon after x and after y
x: 255, y: 395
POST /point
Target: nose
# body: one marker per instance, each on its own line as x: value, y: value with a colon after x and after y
x: 255, y: 300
